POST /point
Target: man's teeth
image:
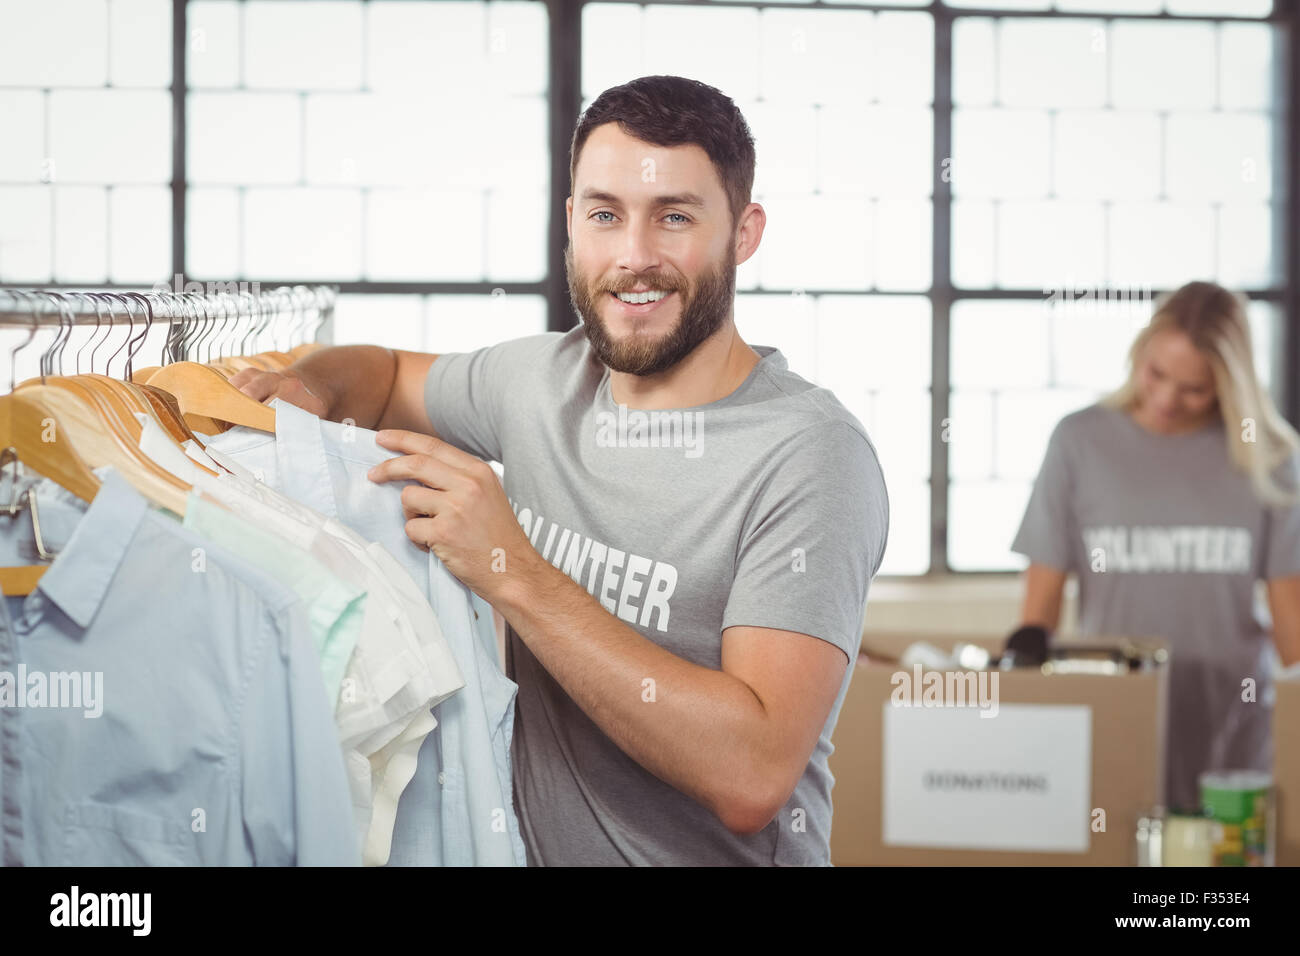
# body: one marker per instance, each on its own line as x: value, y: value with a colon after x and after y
x: 640, y: 298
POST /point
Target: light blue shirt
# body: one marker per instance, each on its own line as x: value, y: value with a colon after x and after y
x: 216, y: 742
x: 459, y: 808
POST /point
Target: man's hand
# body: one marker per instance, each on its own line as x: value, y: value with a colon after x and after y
x: 263, y: 386
x: 459, y: 510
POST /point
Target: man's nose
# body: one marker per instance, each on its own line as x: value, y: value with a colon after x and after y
x: 638, y: 253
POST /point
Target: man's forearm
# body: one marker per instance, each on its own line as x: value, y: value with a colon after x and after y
x: 698, y: 729
x: 353, y: 381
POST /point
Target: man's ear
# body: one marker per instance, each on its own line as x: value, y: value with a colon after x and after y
x: 568, y: 217
x: 752, y: 221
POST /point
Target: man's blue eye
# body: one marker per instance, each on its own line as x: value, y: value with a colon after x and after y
x: 604, y: 212
x: 683, y: 218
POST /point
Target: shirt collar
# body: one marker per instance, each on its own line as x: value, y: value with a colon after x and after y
x: 79, y: 577
x: 300, y: 458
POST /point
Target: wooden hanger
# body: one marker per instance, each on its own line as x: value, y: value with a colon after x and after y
x: 80, y: 436
x: 56, y: 433
x: 203, y: 393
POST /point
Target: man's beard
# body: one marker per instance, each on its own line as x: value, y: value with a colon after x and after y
x: 703, y: 310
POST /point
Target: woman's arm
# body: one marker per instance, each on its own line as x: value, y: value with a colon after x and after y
x: 1044, y: 589
x: 1284, y: 603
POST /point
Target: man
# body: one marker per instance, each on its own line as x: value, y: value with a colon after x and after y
x: 687, y: 531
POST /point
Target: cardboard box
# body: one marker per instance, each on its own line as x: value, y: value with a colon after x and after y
x: 1286, y: 770
x: 920, y: 784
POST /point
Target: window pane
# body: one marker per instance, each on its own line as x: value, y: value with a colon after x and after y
x: 1107, y: 155
x: 974, y: 243
x: 1246, y: 68
x: 426, y: 46
x: 816, y: 242
x: 1024, y: 420
x: 1092, y: 330
x: 980, y: 331
x: 212, y: 233
x: 1161, y: 245
x: 815, y: 56
x: 1000, y: 153
x: 904, y: 59
x: 517, y: 61
x: 22, y: 160
x: 785, y: 137
x: 1245, y: 253
x: 426, y: 236
x: 60, y: 43
x: 312, y: 234
x: 214, y: 43
x: 223, y: 149
x: 1052, y: 63
x: 462, y: 323
x: 107, y: 136
x: 1044, y: 243
x: 1231, y: 8
x: 81, y: 234
x: 436, y: 323
x: 1162, y: 65
x: 683, y: 41
x: 982, y: 520
x: 784, y: 322
x: 140, y: 38
x: 393, y: 321
x: 1003, y: 4
x: 517, y: 220
x: 974, y: 51
x: 907, y: 550
x: 279, y: 53
x: 849, y: 157
x: 969, y: 434
x: 25, y: 233
x: 1218, y: 156
x: 140, y: 234
x: 903, y: 245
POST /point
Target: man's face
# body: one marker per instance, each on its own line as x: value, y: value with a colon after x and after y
x: 654, y: 219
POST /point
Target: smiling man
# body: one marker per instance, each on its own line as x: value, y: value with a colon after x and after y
x: 684, y: 602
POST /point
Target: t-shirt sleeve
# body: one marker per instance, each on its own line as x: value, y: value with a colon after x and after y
x: 466, y: 393
x: 1047, y: 532
x: 1282, y: 554
x: 813, y: 539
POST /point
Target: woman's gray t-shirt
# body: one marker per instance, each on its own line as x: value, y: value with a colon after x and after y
x: 1167, y: 539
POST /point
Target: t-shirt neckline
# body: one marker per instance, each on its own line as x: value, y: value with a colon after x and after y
x: 1212, y: 426
x: 767, y: 355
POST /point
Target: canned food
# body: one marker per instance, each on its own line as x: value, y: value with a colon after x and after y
x: 1241, y: 802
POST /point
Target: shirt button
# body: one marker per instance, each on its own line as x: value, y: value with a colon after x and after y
x: 442, y: 778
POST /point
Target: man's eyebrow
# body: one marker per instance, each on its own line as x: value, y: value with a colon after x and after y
x: 679, y: 199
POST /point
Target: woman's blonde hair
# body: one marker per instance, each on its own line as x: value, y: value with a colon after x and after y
x: 1259, y: 439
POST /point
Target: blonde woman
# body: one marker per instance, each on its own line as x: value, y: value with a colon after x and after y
x: 1169, y: 499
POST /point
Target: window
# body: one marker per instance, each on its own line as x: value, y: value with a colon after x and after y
x: 961, y: 263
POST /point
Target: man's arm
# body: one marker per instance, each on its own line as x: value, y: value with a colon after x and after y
x: 736, y: 740
x: 375, y: 387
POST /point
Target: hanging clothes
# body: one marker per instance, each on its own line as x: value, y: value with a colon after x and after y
x: 399, y: 666
x: 179, y: 633
x: 458, y: 809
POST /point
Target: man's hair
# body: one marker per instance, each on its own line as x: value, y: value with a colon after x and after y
x: 674, y: 111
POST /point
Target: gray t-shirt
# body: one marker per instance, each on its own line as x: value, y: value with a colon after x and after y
x: 1168, y: 538
x: 765, y: 508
